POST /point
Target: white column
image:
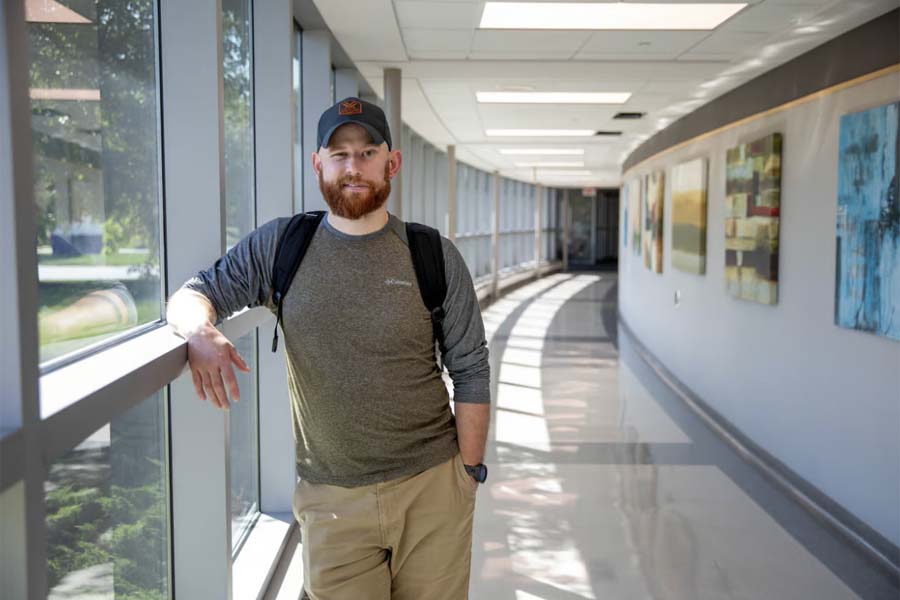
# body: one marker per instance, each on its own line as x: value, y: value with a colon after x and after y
x: 345, y: 84
x: 392, y: 104
x: 495, y: 238
x: 273, y: 35
x: 316, y: 73
x: 451, y: 193
x: 23, y: 530
x: 192, y: 103
x: 565, y: 224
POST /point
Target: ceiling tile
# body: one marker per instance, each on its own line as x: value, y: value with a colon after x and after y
x: 658, y: 44
x: 728, y: 42
x: 530, y: 116
x: 766, y: 18
x: 546, y: 43
x: 437, y: 39
x: 438, y: 15
x: 364, y: 27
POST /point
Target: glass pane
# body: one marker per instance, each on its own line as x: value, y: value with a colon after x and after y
x: 298, y: 124
x: 107, y: 511
x: 237, y: 74
x: 243, y: 419
x: 94, y: 103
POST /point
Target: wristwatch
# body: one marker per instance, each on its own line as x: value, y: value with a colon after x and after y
x: 478, y: 472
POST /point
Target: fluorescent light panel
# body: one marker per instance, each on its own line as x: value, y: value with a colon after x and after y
x: 553, y: 97
x: 539, y: 132
x: 543, y: 151
x: 550, y: 164
x: 565, y: 173
x: 619, y: 15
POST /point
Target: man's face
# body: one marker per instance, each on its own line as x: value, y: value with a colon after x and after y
x: 354, y: 173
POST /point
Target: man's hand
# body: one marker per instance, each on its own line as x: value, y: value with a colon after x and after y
x: 211, y: 356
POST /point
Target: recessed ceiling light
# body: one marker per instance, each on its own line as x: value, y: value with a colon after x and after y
x: 613, y: 15
x: 550, y: 164
x: 554, y: 97
x: 543, y: 151
x: 565, y: 173
x: 539, y: 132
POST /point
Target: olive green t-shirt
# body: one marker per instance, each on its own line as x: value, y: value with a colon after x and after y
x: 368, y: 402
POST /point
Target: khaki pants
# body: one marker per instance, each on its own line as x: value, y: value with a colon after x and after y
x: 405, y: 539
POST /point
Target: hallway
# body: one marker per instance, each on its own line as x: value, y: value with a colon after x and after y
x: 604, y: 484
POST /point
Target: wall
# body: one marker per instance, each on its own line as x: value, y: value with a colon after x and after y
x: 823, y: 400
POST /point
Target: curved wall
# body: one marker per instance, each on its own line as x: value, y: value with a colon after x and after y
x: 823, y: 400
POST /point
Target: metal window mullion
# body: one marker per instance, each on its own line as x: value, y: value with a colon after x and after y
x: 24, y: 548
x: 273, y: 35
x: 316, y: 77
x: 451, y: 193
x: 194, y: 165
x: 393, y: 98
x: 345, y: 83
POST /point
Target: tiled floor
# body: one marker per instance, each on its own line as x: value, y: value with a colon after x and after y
x: 604, y: 485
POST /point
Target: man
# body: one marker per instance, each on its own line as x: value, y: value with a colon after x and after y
x: 385, y: 499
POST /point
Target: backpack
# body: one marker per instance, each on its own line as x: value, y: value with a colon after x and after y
x: 424, y: 247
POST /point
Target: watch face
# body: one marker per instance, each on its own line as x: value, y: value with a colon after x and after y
x: 482, y: 473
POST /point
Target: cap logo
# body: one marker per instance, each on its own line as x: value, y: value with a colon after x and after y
x: 350, y: 107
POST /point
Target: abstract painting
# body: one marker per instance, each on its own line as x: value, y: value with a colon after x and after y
x: 752, y: 215
x: 689, y: 216
x: 867, y: 286
x: 653, y: 220
x: 634, y: 211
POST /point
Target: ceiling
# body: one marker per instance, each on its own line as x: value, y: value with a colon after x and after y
x: 445, y: 59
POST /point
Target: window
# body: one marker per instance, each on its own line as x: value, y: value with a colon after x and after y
x: 244, y: 431
x: 298, y: 116
x: 107, y: 511
x: 240, y: 220
x: 95, y: 106
x: 237, y: 71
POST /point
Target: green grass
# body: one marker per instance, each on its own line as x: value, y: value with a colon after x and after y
x: 86, y: 260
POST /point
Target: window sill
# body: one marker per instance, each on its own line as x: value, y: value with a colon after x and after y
x: 81, y: 397
x: 258, y: 558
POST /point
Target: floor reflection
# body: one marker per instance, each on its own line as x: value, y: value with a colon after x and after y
x: 603, y: 486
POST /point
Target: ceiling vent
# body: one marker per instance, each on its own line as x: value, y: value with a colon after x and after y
x: 607, y: 133
x: 629, y: 115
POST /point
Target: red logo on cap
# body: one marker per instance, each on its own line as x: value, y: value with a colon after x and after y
x: 351, y: 107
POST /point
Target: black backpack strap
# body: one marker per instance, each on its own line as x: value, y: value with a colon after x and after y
x: 292, y: 247
x: 428, y: 260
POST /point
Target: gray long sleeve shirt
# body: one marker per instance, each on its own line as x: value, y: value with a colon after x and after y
x: 367, y: 400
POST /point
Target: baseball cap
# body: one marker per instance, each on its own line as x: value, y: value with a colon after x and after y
x: 354, y: 110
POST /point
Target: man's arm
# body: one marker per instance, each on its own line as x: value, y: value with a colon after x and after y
x: 238, y: 279
x: 466, y: 357
x: 210, y: 354
x: 472, y: 424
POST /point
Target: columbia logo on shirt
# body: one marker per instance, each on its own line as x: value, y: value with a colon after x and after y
x: 397, y: 282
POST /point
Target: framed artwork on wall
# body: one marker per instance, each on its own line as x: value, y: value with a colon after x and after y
x: 689, y: 216
x: 634, y: 210
x: 653, y: 220
x: 752, y: 219
x: 867, y: 280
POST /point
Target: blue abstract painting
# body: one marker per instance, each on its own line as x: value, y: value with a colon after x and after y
x: 867, y: 289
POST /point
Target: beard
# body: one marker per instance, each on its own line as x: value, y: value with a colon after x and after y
x: 354, y: 205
